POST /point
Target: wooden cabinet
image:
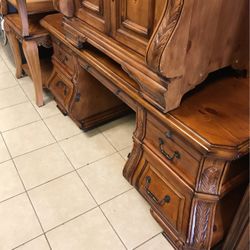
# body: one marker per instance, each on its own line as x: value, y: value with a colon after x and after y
x: 167, y: 46
x: 127, y: 21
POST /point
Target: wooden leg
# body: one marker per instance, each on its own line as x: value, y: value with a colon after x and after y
x: 30, y: 50
x: 14, y: 45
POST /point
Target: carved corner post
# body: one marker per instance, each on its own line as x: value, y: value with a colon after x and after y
x: 135, y: 155
x: 171, y: 17
x: 204, y: 204
x: 201, y: 223
x: 14, y: 45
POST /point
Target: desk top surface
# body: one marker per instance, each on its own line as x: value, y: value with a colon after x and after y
x: 218, y: 110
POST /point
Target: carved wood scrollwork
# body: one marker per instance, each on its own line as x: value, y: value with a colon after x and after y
x: 135, y: 155
x: 161, y: 36
x: 210, y: 176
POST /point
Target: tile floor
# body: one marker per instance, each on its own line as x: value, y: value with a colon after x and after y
x: 61, y: 188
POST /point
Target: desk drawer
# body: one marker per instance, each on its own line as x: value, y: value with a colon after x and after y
x: 169, y: 197
x: 62, y: 89
x: 64, y: 56
x: 181, y: 157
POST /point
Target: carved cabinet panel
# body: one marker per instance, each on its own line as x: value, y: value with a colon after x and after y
x: 95, y: 13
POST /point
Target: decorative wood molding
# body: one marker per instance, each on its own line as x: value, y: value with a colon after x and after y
x: 136, y: 153
x: 210, y: 176
x: 200, y: 230
x: 169, y: 20
x: 209, y: 180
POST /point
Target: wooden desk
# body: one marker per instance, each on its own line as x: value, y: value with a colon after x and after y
x: 191, y: 164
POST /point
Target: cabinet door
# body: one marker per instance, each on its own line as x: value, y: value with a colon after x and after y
x: 94, y: 12
x: 133, y: 21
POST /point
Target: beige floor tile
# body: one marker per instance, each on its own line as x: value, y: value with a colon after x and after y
x: 125, y: 152
x: 130, y: 216
x: 11, y: 96
x: 18, y: 222
x: 17, y: 115
x: 104, y: 178
x: 27, y: 85
x: 62, y: 127
x: 10, y: 183
x: 86, y: 148
x: 39, y: 243
x: 4, y: 154
x: 49, y: 109
x: 27, y: 138
x: 90, y: 231
x: 61, y: 200
x: 157, y: 243
x: 42, y: 165
x: 8, y: 61
x: 119, y: 132
x: 7, y: 80
x: 3, y: 66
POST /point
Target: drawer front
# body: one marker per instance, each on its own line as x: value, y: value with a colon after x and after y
x: 62, y: 89
x: 175, y: 152
x: 64, y: 56
x: 166, y: 193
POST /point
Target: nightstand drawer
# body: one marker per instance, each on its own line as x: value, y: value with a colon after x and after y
x: 165, y: 193
x: 181, y: 157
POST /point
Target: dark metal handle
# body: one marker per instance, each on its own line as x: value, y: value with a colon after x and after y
x: 166, y: 199
x: 170, y: 158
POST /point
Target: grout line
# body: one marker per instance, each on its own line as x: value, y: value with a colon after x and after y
x: 2, y: 201
x: 69, y: 220
x: 144, y: 242
x: 93, y: 197
x: 29, y: 123
x: 116, y: 196
x: 27, y: 241
x: 74, y: 170
x: 9, y: 87
x: 12, y: 105
x: 27, y: 194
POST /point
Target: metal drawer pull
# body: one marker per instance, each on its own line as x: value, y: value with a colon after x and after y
x: 175, y: 155
x: 166, y: 199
